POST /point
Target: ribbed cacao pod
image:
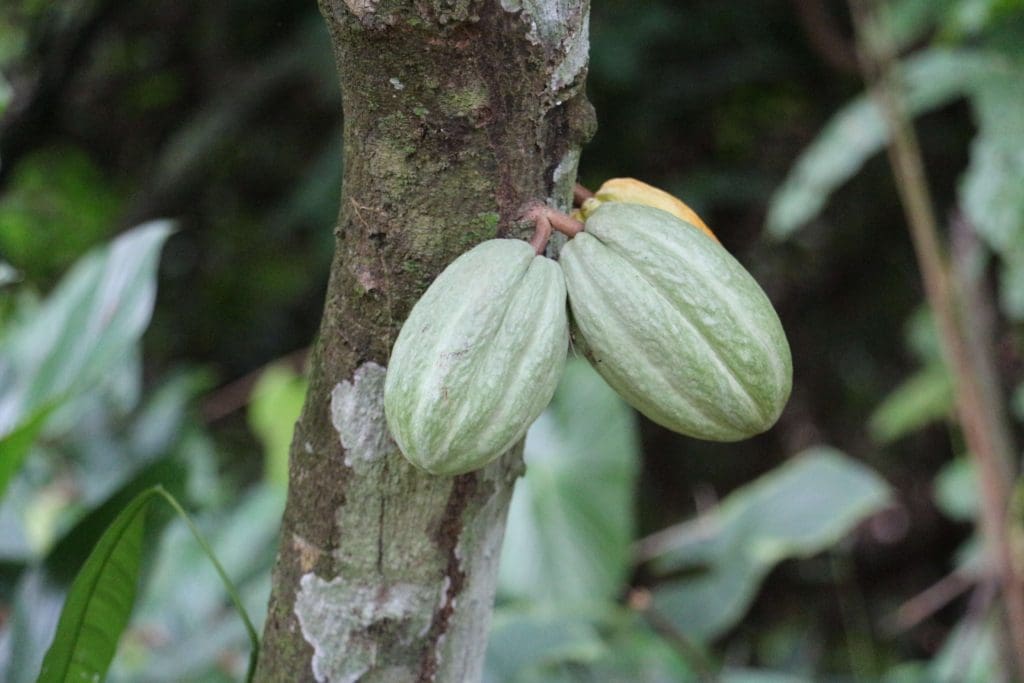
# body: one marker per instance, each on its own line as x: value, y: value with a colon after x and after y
x: 675, y: 324
x: 633, y: 191
x: 478, y: 358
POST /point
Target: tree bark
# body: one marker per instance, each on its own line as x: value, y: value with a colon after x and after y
x: 458, y: 113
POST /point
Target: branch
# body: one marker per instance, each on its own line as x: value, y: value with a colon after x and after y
x: 824, y: 36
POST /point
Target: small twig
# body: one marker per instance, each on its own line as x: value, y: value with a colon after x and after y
x: 824, y: 36
x: 639, y: 600
x: 225, y: 400
x: 580, y: 194
x: 929, y: 601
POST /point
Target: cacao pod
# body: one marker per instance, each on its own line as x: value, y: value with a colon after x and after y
x: 675, y: 324
x: 633, y: 191
x: 478, y: 358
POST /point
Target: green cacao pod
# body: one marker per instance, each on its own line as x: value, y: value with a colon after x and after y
x: 478, y: 358
x: 675, y: 324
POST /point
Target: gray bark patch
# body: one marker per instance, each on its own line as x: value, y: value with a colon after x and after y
x: 357, y: 413
x: 360, y: 8
x: 562, y: 26
x: 336, y: 618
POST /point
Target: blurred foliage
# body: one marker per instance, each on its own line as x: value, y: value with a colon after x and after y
x: 274, y: 407
x: 798, y: 510
x: 56, y: 207
x: 620, y: 563
x: 100, y: 600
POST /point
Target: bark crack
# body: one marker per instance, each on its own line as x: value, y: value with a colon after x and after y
x: 447, y: 538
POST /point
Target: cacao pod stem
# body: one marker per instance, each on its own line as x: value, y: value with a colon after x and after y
x: 545, y: 219
x: 541, y: 233
x: 580, y: 194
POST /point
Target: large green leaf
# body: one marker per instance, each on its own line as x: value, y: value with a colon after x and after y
x: 104, y: 454
x: 930, y: 79
x: 571, y: 520
x: 992, y: 189
x: 87, y: 325
x: 524, y: 643
x: 100, y: 601
x: 49, y: 581
x: 184, y: 599
x: 798, y: 510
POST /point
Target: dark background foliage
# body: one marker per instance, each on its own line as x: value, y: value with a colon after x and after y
x: 225, y: 117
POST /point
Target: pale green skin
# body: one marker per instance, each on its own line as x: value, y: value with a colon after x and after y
x: 676, y: 325
x: 478, y: 358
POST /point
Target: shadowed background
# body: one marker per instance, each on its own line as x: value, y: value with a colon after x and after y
x: 225, y: 118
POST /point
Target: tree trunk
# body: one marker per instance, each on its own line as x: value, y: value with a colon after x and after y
x: 457, y: 114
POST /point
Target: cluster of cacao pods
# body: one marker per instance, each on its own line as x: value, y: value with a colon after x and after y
x: 660, y: 309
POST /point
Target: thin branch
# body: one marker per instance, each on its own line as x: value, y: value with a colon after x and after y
x: 640, y: 600
x: 236, y: 394
x: 929, y: 601
x: 986, y: 435
x: 824, y: 37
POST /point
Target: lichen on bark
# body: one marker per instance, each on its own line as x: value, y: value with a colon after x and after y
x: 458, y: 113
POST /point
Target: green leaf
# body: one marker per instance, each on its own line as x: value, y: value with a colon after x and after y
x: 956, y: 490
x: 100, y: 601
x: 58, y: 203
x: 920, y: 400
x: 523, y: 642
x: 798, y: 510
x: 87, y: 325
x: 992, y: 189
x: 970, y: 653
x: 16, y: 445
x: 931, y: 79
x: 637, y: 654
x: 34, y: 608
x: 1017, y: 402
x: 8, y: 274
x: 184, y: 600
x: 571, y: 520
x: 6, y: 94
x: 274, y: 407
x: 759, y: 676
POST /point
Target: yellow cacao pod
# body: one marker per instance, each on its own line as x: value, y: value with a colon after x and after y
x: 633, y: 191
